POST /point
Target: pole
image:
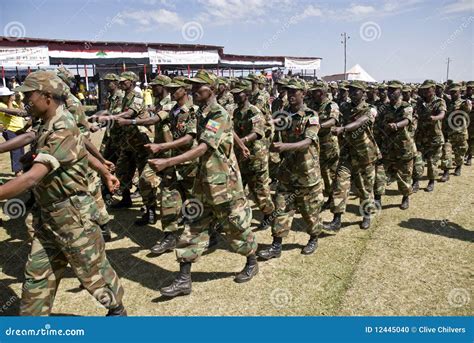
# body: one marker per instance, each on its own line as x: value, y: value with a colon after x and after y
x: 3, y: 77
x: 189, y: 71
x: 144, y: 73
x: 85, y: 74
x: 447, y: 69
x: 345, y: 37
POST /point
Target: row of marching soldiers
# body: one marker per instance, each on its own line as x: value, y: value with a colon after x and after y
x: 197, y: 149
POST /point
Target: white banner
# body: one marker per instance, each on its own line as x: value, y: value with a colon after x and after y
x: 302, y: 64
x: 183, y: 57
x: 24, y: 57
x: 92, y: 54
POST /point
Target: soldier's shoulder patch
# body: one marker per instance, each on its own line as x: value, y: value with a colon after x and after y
x: 313, y: 120
x: 137, y: 100
x: 408, y: 109
x: 212, y: 125
x: 256, y: 118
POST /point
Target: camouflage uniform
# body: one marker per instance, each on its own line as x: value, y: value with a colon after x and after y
x: 398, y: 146
x: 113, y: 135
x: 455, y: 130
x: 254, y: 170
x: 380, y: 135
x: 133, y: 155
x: 429, y: 135
x: 418, y: 164
x: 218, y: 190
x: 328, y: 142
x: 359, y: 153
x: 65, y: 229
x: 471, y: 121
x: 226, y: 99
x: 300, y: 184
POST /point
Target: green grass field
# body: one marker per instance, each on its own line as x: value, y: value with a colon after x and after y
x: 414, y: 262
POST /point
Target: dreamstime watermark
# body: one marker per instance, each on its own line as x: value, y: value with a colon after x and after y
x: 192, y: 31
x: 192, y: 209
x: 370, y: 31
x: 459, y: 297
x: 14, y: 208
x: 14, y: 31
x: 293, y: 20
x: 281, y: 298
x: 453, y: 36
x: 282, y: 120
x: 288, y: 200
x: 369, y: 208
x: 458, y: 120
x: 108, y: 25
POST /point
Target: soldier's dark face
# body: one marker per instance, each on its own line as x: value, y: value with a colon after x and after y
x: 126, y: 85
x: 177, y: 93
x: 469, y: 91
x: 295, y: 96
x: 201, y: 94
x: 455, y: 94
x: 240, y: 98
x: 382, y: 94
x: 254, y: 85
x: 406, y: 95
x: 111, y: 85
x: 157, y: 91
x: 427, y: 93
x: 318, y: 95
x: 343, y: 93
x: 37, y: 103
x: 221, y: 88
x: 356, y: 94
x: 394, y: 94
x: 439, y: 91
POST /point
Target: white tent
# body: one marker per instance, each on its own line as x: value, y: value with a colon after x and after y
x: 355, y: 73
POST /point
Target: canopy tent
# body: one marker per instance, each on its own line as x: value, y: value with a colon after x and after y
x: 355, y: 73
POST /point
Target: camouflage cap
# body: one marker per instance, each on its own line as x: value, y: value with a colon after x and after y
x: 223, y: 81
x: 242, y: 86
x: 161, y: 80
x: 65, y: 74
x: 318, y: 84
x: 357, y: 84
x: 179, y: 81
x: 282, y: 81
x: 111, y: 77
x: 454, y: 87
x: 428, y: 84
x: 382, y: 86
x: 252, y: 77
x: 372, y: 86
x: 333, y: 84
x: 440, y: 85
x: 470, y: 84
x: 204, y: 77
x: 395, y: 84
x: 344, y: 85
x: 296, y: 84
x: 406, y: 88
x: 128, y: 75
x: 43, y: 81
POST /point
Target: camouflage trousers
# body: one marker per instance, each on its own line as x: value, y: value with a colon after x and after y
x: 131, y: 160
x: 234, y: 218
x: 259, y: 187
x: 111, y: 148
x: 173, y: 193
x: 431, y: 155
x: 306, y: 200
x: 364, y: 179
x: 328, y: 173
x: 402, y: 171
x: 470, y: 143
x: 380, y: 178
x: 95, y: 184
x: 274, y: 165
x: 456, y: 144
x: 418, y: 166
x: 64, y: 233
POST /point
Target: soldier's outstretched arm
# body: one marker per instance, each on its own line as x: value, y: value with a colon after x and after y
x: 357, y: 123
x: 176, y: 144
x: 110, y: 180
x: 439, y: 116
x: 17, y: 142
x: 24, y: 182
x: 328, y: 123
x: 159, y: 164
x: 298, y: 146
x: 15, y: 112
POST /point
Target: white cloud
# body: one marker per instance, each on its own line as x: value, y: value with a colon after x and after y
x: 459, y: 6
x: 154, y: 17
x: 361, y: 10
x: 312, y: 11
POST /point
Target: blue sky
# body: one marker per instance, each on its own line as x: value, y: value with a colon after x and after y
x: 405, y: 39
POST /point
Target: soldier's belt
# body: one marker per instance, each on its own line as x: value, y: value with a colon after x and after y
x: 77, y: 200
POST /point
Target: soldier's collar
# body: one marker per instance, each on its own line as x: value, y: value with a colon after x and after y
x: 50, y: 122
x: 165, y: 100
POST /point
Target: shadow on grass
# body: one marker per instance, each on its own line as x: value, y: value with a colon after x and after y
x: 439, y: 227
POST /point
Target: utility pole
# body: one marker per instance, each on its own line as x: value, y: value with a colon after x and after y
x: 447, y: 69
x: 345, y: 37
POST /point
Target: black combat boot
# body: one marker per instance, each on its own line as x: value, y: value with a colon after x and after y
x: 469, y: 160
x: 311, y: 246
x: 249, y: 271
x: 274, y: 251
x: 149, y: 217
x: 415, y: 186
x: 378, y: 201
x: 430, y: 187
x: 167, y: 244
x: 365, y: 223
x: 118, y: 311
x: 457, y: 171
x: 126, y: 201
x: 445, y: 177
x: 106, y: 234
x: 182, y: 285
x: 333, y: 227
x: 405, y: 202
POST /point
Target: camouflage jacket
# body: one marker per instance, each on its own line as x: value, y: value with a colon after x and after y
x: 226, y: 100
x: 359, y: 144
x: 247, y: 120
x: 259, y: 99
x: 399, y: 144
x: 114, y: 106
x: 136, y: 136
x: 75, y: 107
x: 279, y: 103
x: 328, y: 142
x: 429, y: 131
x: 218, y: 177
x: 456, y: 120
x: 59, y: 144
x: 300, y: 168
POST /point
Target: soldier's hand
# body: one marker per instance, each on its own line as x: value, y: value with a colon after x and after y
x: 158, y: 164
x: 93, y: 118
x: 112, y: 183
x: 337, y: 130
x: 154, y: 148
x: 110, y: 166
x: 392, y: 126
x: 245, y: 152
x: 122, y: 121
x: 276, y: 147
